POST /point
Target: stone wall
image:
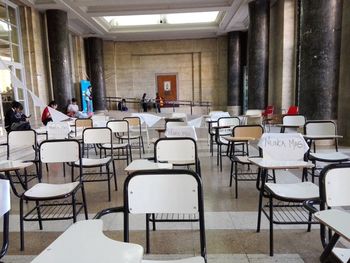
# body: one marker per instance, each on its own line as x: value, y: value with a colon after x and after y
x: 200, y: 66
x: 344, y: 80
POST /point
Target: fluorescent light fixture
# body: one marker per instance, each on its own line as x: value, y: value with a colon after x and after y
x: 192, y: 18
x: 177, y: 18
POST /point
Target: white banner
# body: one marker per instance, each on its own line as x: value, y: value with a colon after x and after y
x: 197, y: 123
x: 57, y: 116
x: 283, y: 146
x: 5, y: 204
x: 149, y: 119
x: 181, y: 131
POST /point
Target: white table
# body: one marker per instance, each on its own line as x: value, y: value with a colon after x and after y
x: 142, y: 164
x: 85, y: 242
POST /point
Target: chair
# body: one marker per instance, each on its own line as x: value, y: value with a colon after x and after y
x: 179, y: 115
x: 120, y: 129
x: 97, y: 136
x: 255, y: 132
x: 24, y: 141
x: 5, y: 205
x: 174, y: 123
x: 322, y: 129
x: 227, y: 124
x: 285, y: 201
x: 80, y: 125
x: 157, y: 191
x: 292, y: 121
x: 213, y: 118
x: 253, y: 116
x: 293, y: 110
x: 58, y: 130
x: 136, y: 132
x: 53, y: 201
x: 267, y: 115
x: 334, y: 193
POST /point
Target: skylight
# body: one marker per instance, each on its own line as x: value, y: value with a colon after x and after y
x: 178, y: 18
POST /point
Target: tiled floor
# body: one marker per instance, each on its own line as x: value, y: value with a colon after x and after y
x: 230, y: 222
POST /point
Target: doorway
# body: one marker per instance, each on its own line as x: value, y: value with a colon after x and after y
x: 167, y: 88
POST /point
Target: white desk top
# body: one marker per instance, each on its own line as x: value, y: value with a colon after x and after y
x: 6, y: 166
x: 139, y: 165
x: 271, y: 164
x: 84, y: 241
x: 322, y: 137
x: 337, y: 220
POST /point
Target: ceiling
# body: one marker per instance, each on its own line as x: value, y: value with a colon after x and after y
x: 85, y: 17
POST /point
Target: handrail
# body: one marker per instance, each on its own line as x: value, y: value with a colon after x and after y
x: 173, y: 103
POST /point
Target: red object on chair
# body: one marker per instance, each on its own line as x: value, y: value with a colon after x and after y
x: 293, y: 110
x: 268, y: 111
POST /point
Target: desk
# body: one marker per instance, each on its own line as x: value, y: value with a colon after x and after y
x: 139, y: 165
x: 284, y: 126
x: 8, y: 166
x: 279, y: 165
x: 84, y: 241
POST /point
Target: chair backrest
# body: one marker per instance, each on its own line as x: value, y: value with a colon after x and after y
x: 334, y: 185
x: 5, y: 206
x: 326, y: 127
x: 298, y: 120
x: 283, y: 146
x: 118, y: 126
x: 134, y: 122
x: 293, y: 110
x: 254, y: 112
x: 59, y: 151
x: 176, y: 150
x: 215, y: 115
x: 157, y: 191
x: 179, y: 115
x: 174, y: 124
x: 228, y: 121
x: 254, y: 131
x: 97, y: 135
x: 20, y: 139
x: 58, y: 130
x: 83, y: 123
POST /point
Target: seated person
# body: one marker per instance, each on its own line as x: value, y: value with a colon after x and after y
x: 122, y: 105
x: 46, y: 116
x: 15, y: 119
x: 73, y: 110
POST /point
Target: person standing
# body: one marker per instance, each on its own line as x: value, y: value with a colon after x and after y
x: 10, y: 115
x: 159, y: 102
x: 144, y: 102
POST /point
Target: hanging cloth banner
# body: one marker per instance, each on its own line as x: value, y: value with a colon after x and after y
x: 197, y: 122
x: 57, y: 116
x: 149, y: 119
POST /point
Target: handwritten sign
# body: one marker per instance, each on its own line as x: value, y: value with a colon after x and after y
x: 5, y: 203
x: 181, y: 131
x: 283, y: 146
x: 216, y: 115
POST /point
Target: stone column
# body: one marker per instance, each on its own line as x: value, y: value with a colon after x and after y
x: 57, y: 33
x: 258, y: 53
x: 95, y: 71
x: 235, y: 73
x: 320, y: 37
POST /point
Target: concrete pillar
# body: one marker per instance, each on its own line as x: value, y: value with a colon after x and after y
x: 95, y: 71
x: 235, y: 73
x: 320, y: 38
x: 57, y: 33
x: 258, y: 53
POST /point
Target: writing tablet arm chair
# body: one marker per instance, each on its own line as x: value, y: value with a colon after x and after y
x: 98, y: 136
x: 52, y: 201
x: 24, y: 143
x: 4, y: 213
x: 239, y: 162
x: 157, y: 191
x: 334, y: 194
x: 135, y: 133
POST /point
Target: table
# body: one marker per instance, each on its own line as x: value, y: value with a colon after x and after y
x: 279, y: 165
x: 84, y: 241
x: 142, y: 164
x: 7, y: 166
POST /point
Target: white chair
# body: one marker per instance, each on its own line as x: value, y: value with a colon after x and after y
x: 157, y: 191
x: 19, y: 142
x: 293, y: 121
x: 5, y: 206
x: 213, y: 118
x: 64, y: 205
x: 97, y: 136
x: 58, y: 130
x: 323, y: 128
x: 136, y: 132
x: 334, y: 194
x: 122, y: 148
x: 253, y: 116
x: 228, y: 123
x: 90, y: 246
x: 253, y: 131
x: 283, y: 151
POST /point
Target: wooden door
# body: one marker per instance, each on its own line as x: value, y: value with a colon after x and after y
x: 167, y: 88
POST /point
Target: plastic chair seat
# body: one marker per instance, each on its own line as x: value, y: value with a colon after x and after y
x: 86, y: 162
x: 115, y: 145
x: 185, y: 260
x: 242, y: 159
x: 43, y: 190
x: 329, y: 157
x: 296, y: 191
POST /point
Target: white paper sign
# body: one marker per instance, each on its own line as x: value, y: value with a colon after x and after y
x: 216, y: 115
x: 283, y: 146
x: 195, y: 122
x: 181, y: 131
x: 149, y: 119
x: 5, y: 204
